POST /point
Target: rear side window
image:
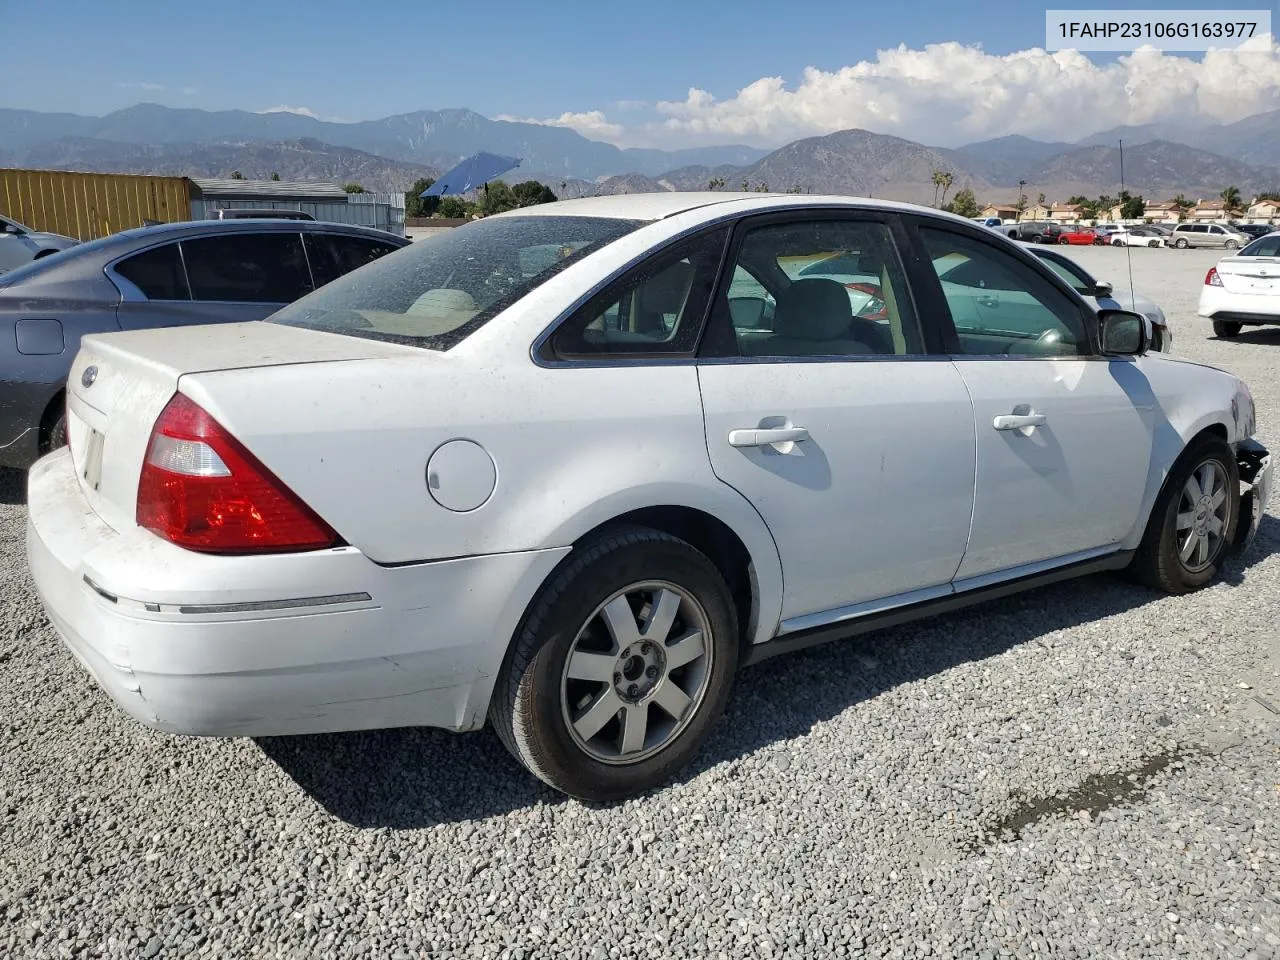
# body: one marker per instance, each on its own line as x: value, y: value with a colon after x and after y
x: 332, y: 255
x: 157, y: 273
x: 1264, y: 247
x: 247, y: 268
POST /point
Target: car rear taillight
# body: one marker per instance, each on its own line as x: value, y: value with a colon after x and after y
x: 1211, y: 279
x: 201, y: 489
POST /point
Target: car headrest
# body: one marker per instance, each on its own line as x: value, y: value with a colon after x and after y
x: 665, y: 291
x: 814, y: 308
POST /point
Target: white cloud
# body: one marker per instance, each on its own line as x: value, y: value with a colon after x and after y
x: 948, y: 93
x: 300, y: 111
x: 140, y: 85
x: 189, y: 91
x: 592, y: 124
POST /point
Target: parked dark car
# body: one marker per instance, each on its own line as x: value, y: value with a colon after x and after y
x: 175, y: 274
x: 1254, y: 230
x: 19, y: 244
x: 1035, y: 231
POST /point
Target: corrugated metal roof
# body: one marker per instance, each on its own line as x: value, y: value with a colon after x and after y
x: 298, y: 189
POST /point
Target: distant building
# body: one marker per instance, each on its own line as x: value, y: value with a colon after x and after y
x: 1038, y: 211
x: 1066, y: 212
x: 324, y: 201
x: 1207, y: 210
x: 1005, y: 211
x: 1166, y: 211
x: 1263, y: 210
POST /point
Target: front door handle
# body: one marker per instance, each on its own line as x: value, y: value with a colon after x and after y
x: 1026, y: 422
x: 767, y: 437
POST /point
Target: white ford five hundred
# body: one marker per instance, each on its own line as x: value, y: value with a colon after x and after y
x: 568, y: 468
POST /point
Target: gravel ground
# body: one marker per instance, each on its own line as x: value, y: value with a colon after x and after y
x: 1088, y: 771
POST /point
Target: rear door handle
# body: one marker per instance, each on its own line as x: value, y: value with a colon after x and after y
x: 766, y: 437
x: 1024, y: 422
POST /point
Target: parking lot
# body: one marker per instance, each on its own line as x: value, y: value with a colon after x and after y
x: 1090, y: 771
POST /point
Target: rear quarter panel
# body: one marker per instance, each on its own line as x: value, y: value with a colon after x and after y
x: 573, y: 449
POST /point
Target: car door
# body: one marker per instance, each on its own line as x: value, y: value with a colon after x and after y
x: 852, y: 440
x: 1063, y: 434
x: 223, y: 278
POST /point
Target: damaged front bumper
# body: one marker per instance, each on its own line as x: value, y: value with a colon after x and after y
x: 1254, y: 462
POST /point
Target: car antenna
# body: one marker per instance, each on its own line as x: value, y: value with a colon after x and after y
x: 1128, y: 247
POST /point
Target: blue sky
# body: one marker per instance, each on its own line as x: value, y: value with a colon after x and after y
x: 365, y: 60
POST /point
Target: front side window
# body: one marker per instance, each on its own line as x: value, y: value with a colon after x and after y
x: 815, y: 288
x: 435, y: 292
x: 656, y: 309
x: 247, y: 267
x: 157, y: 273
x: 1000, y: 305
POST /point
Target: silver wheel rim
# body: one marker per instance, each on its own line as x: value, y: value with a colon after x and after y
x: 637, y: 672
x: 1204, y: 509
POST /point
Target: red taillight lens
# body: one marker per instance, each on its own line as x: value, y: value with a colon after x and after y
x: 1211, y: 279
x: 201, y: 489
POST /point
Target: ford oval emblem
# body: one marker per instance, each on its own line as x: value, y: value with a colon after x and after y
x: 89, y: 376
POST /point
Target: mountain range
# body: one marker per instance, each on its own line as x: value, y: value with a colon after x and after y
x: 389, y: 154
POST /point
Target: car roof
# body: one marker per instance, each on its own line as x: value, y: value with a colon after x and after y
x: 659, y: 206
x: 181, y: 228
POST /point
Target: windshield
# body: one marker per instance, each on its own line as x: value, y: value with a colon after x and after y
x: 438, y: 291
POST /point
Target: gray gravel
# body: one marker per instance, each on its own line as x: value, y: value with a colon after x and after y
x: 1089, y: 771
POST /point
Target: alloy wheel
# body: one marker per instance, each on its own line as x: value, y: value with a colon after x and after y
x: 637, y: 672
x: 1204, y: 512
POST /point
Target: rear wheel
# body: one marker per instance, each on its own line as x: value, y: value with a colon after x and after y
x: 1154, y: 243
x: 1193, y: 521
x: 1064, y: 241
x: 1224, y: 328
x: 621, y: 668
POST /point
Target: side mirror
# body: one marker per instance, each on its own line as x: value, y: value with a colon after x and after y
x: 1123, y: 333
x: 1102, y: 289
x: 9, y: 228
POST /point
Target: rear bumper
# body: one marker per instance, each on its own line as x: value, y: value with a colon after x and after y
x: 255, y: 646
x: 1256, y: 470
x: 21, y: 407
x: 1216, y: 303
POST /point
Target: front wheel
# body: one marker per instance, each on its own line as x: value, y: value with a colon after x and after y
x: 1232, y: 245
x: 1193, y: 521
x: 621, y: 668
x: 1224, y: 328
x: 1181, y: 243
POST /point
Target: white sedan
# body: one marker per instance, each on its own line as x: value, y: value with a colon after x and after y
x: 1137, y: 237
x: 1244, y: 288
x: 539, y: 469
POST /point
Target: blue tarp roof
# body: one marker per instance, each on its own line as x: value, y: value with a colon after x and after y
x: 471, y: 173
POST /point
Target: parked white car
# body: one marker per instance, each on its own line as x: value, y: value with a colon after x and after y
x: 573, y: 493
x: 1102, y: 295
x: 1137, y: 237
x: 1244, y: 289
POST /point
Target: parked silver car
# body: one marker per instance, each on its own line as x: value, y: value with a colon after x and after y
x: 175, y: 274
x: 1207, y: 235
x: 19, y: 244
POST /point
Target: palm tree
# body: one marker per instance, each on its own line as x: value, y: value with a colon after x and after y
x: 936, y: 179
x: 1231, y: 200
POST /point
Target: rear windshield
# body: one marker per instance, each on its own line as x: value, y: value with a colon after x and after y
x: 436, y: 292
x: 1268, y: 246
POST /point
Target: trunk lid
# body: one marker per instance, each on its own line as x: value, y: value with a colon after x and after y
x: 119, y: 383
x: 1255, y: 275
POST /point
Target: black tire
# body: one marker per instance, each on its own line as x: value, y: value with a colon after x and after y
x: 1063, y: 241
x: 1154, y: 243
x: 56, y: 438
x: 1226, y: 329
x: 1181, y: 243
x: 526, y: 709
x: 1157, y: 563
x: 1231, y: 245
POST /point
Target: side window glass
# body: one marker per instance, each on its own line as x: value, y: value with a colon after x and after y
x: 157, y: 273
x: 657, y: 309
x: 1077, y: 282
x: 816, y: 288
x: 333, y: 255
x: 1000, y: 305
x: 247, y: 267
